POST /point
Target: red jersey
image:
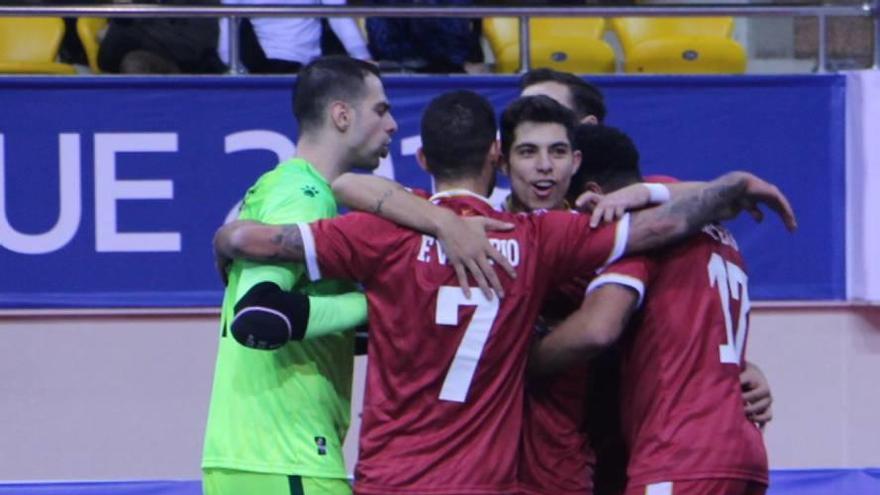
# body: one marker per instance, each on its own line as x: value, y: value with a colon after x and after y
x: 682, y: 355
x: 443, y: 404
x: 571, y: 432
x: 568, y: 417
x: 555, y: 452
x: 556, y: 456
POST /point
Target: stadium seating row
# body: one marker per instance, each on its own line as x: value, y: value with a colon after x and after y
x: 30, y: 45
x: 649, y: 45
x: 684, y: 45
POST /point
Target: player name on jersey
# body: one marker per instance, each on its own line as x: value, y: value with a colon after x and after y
x: 509, y: 248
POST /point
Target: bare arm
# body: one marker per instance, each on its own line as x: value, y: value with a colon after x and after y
x: 720, y: 199
x: 391, y: 201
x: 259, y: 242
x: 464, y: 240
x: 594, y: 326
x: 610, y: 207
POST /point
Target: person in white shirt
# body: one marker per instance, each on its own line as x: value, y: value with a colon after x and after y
x: 288, y: 43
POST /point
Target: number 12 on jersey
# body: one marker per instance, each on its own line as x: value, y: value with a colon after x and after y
x: 731, y: 281
x: 464, y: 364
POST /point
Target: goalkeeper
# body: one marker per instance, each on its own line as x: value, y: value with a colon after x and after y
x: 279, y: 413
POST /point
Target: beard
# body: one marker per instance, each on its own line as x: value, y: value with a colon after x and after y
x: 370, y: 161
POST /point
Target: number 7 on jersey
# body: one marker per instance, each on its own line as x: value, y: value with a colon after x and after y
x: 464, y: 364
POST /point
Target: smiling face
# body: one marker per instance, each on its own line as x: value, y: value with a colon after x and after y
x: 372, y: 126
x: 540, y: 164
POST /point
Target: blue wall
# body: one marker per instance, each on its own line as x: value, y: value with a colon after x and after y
x: 157, y: 155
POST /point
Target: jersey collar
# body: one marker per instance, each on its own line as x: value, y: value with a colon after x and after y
x: 302, y: 162
x: 511, y: 207
x: 459, y: 192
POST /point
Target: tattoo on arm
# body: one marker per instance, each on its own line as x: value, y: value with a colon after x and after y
x: 684, y: 216
x: 707, y: 204
x: 288, y: 244
x: 378, y: 208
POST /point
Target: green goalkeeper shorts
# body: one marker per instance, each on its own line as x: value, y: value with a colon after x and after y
x: 232, y: 482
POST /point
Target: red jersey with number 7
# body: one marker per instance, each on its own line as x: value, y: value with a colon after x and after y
x: 682, y: 354
x: 443, y: 403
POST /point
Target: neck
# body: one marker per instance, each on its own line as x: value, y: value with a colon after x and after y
x: 328, y: 158
x: 475, y: 185
x: 516, y: 205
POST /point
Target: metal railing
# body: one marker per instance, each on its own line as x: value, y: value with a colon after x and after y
x: 235, y: 12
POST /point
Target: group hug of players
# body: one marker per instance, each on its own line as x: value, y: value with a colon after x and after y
x: 601, y: 354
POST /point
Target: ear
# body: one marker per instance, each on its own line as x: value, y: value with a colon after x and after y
x: 503, y: 163
x: 340, y: 115
x: 421, y: 159
x: 494, y: 155
x: 591, y: 186
x: 576, y: 158
x: 590, y: 119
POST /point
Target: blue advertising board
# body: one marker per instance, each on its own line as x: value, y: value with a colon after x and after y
x: 111, y: 188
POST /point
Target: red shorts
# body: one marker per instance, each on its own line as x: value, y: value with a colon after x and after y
x: 700, y: 487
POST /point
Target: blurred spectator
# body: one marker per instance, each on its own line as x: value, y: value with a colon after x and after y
x: 71, y: 50
x: 272, y: 45
x: 434, y: 45
x: 161, y: 45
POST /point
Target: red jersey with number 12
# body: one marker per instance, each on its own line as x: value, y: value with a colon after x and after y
x: 443, y: 403
x: 681, y: 404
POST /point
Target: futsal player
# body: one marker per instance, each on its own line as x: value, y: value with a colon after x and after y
x: 277, y: 419
x: 583, y: 98
x: 557, y: 447
x: 688, y: 312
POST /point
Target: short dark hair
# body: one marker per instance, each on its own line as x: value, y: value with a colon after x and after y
x: 608, y: 158
x: 539, y: 109
x: 587, y: 98
x: 325, y: 79
x: 458, y: 128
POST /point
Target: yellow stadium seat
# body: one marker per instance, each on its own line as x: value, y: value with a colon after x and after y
x: 29, y: 45
x: 565, y: 44
x: 89, y: 30
x: 680, y: 45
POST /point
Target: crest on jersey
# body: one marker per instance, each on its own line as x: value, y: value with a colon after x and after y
x: 310, y: 191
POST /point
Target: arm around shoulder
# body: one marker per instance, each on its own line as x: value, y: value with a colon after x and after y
x: 596, y: 325
x: 390, y: 200
x: 259, y: 242
x: 720, y: 199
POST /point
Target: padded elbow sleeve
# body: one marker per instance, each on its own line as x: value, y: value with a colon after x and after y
x: 267, y: 317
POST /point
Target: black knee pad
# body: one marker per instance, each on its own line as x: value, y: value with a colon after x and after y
x: 268, y: 317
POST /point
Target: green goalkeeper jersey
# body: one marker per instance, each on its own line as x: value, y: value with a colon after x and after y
x: 284, y: 411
